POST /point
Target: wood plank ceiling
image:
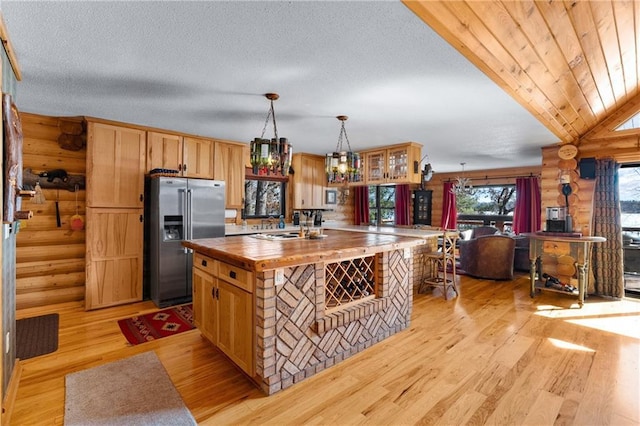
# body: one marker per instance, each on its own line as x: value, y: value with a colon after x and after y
x: 572, y: 64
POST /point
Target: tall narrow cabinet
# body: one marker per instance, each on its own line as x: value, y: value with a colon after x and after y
x: 115, y: 212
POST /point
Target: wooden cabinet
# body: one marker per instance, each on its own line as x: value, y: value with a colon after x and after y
x: 229, y: 166
x: 197, y: 154
x: 113, y: 257
x: 393, y: 164
x: 164, y: 151
x: 115, y: 212
x: 192, y: 157
x: 309, y: 180
x: 115, y: 166
x: 224, y: 308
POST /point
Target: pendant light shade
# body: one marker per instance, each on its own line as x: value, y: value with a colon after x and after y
x: 270, y: 156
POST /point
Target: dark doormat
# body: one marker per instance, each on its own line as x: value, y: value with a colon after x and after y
x: 36, y: 336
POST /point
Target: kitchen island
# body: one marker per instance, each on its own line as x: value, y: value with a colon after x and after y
x: 286, y: 309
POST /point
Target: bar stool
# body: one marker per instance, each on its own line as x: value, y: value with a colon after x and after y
x: 438, y: 262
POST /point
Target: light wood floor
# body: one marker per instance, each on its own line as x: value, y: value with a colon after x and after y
x: 491, y: 356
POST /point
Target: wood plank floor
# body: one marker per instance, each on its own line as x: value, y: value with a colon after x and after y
x: 491, y: 356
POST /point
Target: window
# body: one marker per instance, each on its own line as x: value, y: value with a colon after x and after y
x: 382, y: 205
x: 263, y: 198
x: 487, y: 205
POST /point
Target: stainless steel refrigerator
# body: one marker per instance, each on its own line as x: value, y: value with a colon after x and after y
x: 179, y: 209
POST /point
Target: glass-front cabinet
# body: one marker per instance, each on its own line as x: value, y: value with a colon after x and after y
x: 393, y: 164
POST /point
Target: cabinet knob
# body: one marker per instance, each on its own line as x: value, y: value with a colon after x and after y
x: 141, y: 197
x: 184, y: 167
x: 213, y: 293
x: 232, y: 274
x: 204, y: 263
x: 141, y: 218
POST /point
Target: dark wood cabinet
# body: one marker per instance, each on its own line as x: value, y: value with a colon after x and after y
x: 422, y: 207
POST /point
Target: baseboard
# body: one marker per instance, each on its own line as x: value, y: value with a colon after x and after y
x: 12, y: 393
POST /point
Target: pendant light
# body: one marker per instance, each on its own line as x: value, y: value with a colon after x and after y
x: 462, y: 185
x: 343, y: 166
x: 270, y: 156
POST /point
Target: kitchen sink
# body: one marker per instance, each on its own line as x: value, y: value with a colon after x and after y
x: 276, y: 237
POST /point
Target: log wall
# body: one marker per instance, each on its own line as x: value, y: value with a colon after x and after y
x: 50, y: 265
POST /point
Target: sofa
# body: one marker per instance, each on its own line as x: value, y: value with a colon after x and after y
x: 488, y: 256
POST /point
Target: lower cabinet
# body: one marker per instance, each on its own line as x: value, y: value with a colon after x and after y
x: 223, y: 310
x: 114, y: 239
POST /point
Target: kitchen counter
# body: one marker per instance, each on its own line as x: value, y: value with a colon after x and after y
x: 261, y: 255
x: 285, y: 310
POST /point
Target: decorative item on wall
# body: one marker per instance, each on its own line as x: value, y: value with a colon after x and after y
x: 13, y: 190
x: 462, y: 185
x: 343, y: 166
x: 77, y: 222
x: 270, y: 156
x: 331, y: 196
x: 426, y: 171
x: 54, y: 179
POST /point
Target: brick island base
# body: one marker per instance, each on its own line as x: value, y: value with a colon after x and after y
x: 297, y: 339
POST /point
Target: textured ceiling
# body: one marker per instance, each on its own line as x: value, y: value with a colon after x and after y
x: 203, y: 68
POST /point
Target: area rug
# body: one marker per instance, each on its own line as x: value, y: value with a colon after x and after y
x: 36, y: 336
x: 156, y: 325
x: 131, y: 391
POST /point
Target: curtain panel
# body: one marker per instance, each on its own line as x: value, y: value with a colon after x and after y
x: 526, y: 214
x: 361, y: 210
x: 449, y: 212
x: 607, y: 256
x: 403, y: 207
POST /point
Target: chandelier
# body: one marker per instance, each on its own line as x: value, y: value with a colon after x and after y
x: 343, y: 166
x: 270, y: 156
x: 462, y: 185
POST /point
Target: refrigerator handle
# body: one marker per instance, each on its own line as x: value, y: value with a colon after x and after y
x: 185, y: 209
x: 190, y: 213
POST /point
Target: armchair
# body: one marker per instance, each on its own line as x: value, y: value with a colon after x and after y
x: 488, y: 256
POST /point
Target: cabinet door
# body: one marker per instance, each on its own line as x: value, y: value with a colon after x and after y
x: 229, y: 166
x: 164, y: 151
x: 114, y: 257
x: 374, y: 163
x: 115, y: 166
x: 235, y: 325
x: 308, y: 181
x: 397, y: 165
x: 318, y: 181
x: 197, y: 155
x: 204, y: 303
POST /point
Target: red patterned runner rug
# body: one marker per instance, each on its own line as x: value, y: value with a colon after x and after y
x: 156, y: 325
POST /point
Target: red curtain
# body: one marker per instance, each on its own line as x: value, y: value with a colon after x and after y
x: 526, y: 215
x: 449, y: 212
x: 403, y: 198
x: 361, y: 216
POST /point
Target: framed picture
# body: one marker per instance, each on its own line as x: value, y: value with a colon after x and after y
x: 330, y: 196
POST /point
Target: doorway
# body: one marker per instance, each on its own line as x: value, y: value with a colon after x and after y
x: 629, y: 187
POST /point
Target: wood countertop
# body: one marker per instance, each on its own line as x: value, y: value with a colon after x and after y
x: 260, y: 254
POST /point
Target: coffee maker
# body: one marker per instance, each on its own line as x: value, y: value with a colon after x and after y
x: 317, y: 218
x: 556, y: 219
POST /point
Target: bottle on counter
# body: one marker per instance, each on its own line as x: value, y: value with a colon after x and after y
x: 281, y: 223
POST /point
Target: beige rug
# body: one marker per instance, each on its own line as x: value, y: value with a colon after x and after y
x: 132, y: 391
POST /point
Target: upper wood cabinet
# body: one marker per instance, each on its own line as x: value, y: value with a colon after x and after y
x: 115, y: 166
x: 309, y: 180
x: 197, y: 154
x: 192, y: 157
x: 393, y: 164
x: 229, y: 166
x: 164, y: 151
